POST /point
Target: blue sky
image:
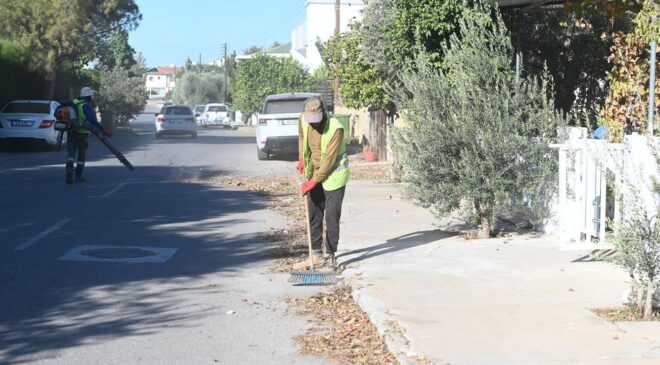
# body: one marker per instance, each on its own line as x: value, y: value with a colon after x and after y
x: 171, y: 31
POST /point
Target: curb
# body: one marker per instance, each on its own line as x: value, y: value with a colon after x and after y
x: 388, y: 327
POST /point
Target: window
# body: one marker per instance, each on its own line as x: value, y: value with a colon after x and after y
x: 176, y: 110
x: 217, y: 108
x: 23, y: 107
x: 284, y: 106
x: 151, y: 78
x: 158, y: 77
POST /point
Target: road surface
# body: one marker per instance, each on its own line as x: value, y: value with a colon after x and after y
x: 142, y: 267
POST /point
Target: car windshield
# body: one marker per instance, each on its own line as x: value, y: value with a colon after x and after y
x: 199, y: 109
x: 284, y: 106
x: 177, y: 110
x: 25, y: 107
x: 217, y: 108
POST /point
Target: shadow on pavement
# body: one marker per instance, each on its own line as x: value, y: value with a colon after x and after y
x: 49, y: 304
x: 392, y: 245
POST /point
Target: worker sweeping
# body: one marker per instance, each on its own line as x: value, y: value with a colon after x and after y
x: 78, y: 135
x: 324, y: 164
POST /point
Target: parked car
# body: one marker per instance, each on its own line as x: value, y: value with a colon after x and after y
x: 216, y: 114
x: 199, y: 111
x: 29, y: 120
x: 176, y: 120
x: 277, y: 132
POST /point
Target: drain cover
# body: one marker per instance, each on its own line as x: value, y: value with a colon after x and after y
x: 118, y: 253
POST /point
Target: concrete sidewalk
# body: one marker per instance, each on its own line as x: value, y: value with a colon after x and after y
x: 501, y: 301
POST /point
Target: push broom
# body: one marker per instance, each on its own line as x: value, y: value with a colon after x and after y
x: 311, y: 276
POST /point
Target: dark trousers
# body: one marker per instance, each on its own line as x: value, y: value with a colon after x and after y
x: 76, y: 151
x: 328, y: 203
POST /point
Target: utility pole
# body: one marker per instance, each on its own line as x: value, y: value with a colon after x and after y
x: 224, y: 66
x: 336, y: 88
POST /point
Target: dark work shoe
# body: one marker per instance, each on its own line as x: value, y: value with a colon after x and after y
x: 330, y: 261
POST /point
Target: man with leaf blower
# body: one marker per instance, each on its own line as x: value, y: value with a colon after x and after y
x: 324, y: 164
x: 78, y: 134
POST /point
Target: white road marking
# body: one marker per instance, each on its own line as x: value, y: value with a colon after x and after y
x: 114, y: 190
x: 43, y: 234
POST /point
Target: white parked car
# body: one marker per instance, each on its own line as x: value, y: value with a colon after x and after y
x: 199, y: 112
x: 277, y: 132
x: 216, y: 114
x: 29, y: 120
x: 176, y: 120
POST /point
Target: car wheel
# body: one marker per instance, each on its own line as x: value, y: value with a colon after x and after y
x: 261, y: 155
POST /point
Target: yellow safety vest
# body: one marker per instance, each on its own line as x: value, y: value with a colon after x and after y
x: 340, y: 174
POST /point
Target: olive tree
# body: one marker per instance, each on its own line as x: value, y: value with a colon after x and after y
x: 476, y: 136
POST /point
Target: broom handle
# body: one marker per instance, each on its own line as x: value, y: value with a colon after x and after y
x: 309, y: 231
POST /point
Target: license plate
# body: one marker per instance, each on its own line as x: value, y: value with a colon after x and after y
x: 21, y: 123
x: 290, y: 122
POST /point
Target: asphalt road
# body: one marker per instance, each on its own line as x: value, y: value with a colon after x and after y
x: 142, y: 267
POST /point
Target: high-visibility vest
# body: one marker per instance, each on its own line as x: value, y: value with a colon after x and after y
x: 340, y: 174
x: 82, y: 118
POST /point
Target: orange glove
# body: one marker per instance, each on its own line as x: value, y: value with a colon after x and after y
x: 306, y: 187
x: 301, y: 165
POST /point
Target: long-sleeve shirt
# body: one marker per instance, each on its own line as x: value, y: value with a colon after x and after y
x: 91, y: 116
x: 321, y: 170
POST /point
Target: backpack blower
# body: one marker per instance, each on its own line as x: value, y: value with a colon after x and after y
x: 66, y: 119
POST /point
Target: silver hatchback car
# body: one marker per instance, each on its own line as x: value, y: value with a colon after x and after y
x: 176, y: 120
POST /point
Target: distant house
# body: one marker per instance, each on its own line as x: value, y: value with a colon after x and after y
x: 319, y: 25
x: 160, y: 80
x: 281, y: 51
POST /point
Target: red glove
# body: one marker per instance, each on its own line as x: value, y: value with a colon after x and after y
x: 306, y: 187
x: 301, y: 165
x: 107, y: 132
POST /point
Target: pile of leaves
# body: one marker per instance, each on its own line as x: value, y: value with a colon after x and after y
x: 370, y: 171
x: 280, y: 195
x: 342, y: 331
x: 624, y: 314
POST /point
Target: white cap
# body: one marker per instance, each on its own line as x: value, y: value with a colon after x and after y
x: 86, y: 91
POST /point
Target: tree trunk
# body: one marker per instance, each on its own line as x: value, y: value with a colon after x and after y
x: 648, y: 303
x: 484, y: 215
x: 51, y: 77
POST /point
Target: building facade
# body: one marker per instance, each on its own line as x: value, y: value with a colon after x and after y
x: 319, y: 25
x: 160, y: 80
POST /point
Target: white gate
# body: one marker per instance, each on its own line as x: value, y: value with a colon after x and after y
x: 587, y: 167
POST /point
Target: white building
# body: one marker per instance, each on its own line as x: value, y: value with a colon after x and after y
x: 319, y: 25
x: 160, y: 80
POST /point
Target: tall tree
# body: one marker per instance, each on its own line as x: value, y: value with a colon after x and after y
x: 263, y: 75
x: 195, y: 88
x: 115, y: 51
x: 61, y: 30
x: 121, y: 93
x: 361, y: 83
x: 396, y: 30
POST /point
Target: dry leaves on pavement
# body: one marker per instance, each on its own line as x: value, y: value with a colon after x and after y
x: 342, y: 331
x: 370, y: 171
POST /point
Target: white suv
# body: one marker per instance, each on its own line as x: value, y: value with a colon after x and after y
x: 277, y: 132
